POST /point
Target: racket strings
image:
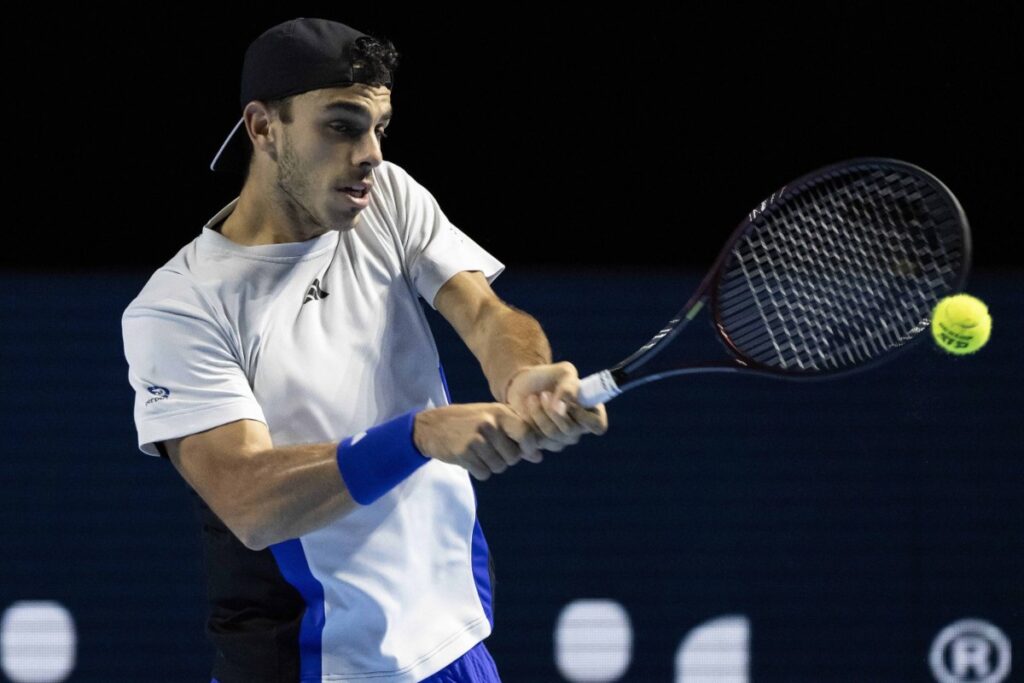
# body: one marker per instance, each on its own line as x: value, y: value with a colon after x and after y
x: 841, y: 270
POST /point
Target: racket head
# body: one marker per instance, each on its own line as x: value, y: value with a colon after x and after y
x: 839, y: 270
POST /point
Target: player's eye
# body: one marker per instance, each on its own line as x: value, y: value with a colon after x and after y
x: 350, y: 132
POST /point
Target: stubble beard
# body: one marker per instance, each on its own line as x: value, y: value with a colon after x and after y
x: 294, y: 183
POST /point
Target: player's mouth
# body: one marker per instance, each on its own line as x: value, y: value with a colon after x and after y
x: 358, y: 194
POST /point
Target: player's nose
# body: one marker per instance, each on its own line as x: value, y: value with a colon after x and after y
x: 368, y: 151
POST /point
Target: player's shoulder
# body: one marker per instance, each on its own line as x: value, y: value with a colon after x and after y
x: 394, y: 177
x: 397, y: 189
x: 174, y: 289
x: 171, y: 311
x: 389, y: 170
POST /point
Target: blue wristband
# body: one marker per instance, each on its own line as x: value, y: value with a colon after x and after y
x: 381, y: 457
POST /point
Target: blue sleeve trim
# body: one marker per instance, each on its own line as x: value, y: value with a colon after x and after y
x: 380, y: 458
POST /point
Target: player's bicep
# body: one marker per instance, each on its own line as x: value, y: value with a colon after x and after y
x: 219, y: 462
x: 464, y: 300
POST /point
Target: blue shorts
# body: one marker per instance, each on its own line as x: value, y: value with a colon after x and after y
x: 476, y: 666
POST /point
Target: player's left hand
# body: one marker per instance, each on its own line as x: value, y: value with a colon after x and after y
x: 546, y: 396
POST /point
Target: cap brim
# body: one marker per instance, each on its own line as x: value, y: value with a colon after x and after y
x: 233, y: 154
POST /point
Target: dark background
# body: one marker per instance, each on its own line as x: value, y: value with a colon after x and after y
x: 603, y: 156
x: 552, y: 136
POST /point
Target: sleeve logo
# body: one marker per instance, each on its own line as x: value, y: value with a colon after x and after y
x: 159, y: 393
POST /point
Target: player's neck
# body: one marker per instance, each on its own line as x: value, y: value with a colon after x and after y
x: 255, y: 220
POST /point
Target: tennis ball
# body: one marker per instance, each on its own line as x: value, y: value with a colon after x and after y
x: 961, y: 324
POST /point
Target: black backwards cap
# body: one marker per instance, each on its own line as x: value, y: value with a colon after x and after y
x: 297, y: 56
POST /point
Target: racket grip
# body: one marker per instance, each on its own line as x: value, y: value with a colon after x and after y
x: 597, y: 388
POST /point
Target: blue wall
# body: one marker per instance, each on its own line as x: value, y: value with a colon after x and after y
x: 849, y: 521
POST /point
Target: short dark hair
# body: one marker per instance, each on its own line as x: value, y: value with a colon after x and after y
x: 373, y: 61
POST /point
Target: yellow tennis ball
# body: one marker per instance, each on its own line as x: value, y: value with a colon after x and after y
x: 961, y: 324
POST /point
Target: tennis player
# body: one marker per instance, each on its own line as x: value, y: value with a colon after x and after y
x: 283, y: 363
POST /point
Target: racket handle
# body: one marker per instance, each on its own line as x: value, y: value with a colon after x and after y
x: 597, y: 388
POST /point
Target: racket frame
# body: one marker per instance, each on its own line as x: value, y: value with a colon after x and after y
x: 621, y: 377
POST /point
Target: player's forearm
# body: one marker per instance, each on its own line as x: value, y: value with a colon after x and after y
x: 289, y: 491
x: 508, y: 340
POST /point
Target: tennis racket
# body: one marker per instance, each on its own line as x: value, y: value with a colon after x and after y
x: 833, y: 274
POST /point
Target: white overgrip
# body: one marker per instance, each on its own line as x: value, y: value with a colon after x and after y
x: 597, y: 388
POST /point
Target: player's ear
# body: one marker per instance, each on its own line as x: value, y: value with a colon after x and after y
x: 259, y: 122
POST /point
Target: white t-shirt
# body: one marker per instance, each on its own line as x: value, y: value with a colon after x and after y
x: 321, y: 340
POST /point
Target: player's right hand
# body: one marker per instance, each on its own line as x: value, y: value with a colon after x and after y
x: 483, y: 438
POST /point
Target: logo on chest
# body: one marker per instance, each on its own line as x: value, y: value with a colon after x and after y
x: 314, y: 292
